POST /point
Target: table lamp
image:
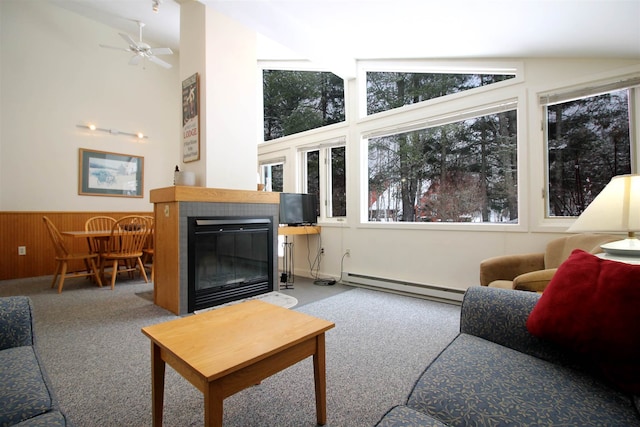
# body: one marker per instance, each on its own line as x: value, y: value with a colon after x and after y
x: 615, y: 209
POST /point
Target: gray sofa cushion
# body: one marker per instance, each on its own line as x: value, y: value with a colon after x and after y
x: 50, y: 419
x: 477, y: 382
x: 24, y: 392
x: 403, y: 416
x: 16, y: 326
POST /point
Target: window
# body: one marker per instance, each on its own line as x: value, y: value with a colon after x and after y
x: 338, y: 183
x: 333, y: 195
x: 461, y: 171
x: 388, y: 90
x: 313, y: 175
x: 272, y: 176
x: 588, y: 143
x: 296, y: 101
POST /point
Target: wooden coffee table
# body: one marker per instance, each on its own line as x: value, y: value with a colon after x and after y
x: 226, y: 350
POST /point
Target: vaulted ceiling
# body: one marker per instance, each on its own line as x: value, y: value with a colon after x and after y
x: 332, y: 31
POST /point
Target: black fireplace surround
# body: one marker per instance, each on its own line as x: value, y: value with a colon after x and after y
x: 229, y: 258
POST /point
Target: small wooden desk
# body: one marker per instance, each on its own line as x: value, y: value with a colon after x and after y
x: 226, y: 350
x: 287, y: 262
x: 302, y: 229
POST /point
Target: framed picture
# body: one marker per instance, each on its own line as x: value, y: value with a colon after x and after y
x: 190, y: 120
x: 110, y: 174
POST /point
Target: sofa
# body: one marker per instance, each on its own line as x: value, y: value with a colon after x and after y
x: 26, y: 395
x: 533, y: 271
x: 497, y: 373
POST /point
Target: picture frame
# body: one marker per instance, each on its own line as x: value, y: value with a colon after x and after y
x: 103, y: 173
x: 190, y: 119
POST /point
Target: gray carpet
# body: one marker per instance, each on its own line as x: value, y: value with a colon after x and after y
x: 98, y: 359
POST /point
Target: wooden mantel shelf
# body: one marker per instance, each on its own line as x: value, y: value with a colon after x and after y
x: 179, y: 193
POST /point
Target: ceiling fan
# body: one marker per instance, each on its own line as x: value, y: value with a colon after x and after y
x: 142, y: 50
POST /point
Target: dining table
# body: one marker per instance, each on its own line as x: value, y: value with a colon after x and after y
x: 102, y: 236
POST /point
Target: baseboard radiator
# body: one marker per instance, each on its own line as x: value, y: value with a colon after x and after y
x: 452, y: 296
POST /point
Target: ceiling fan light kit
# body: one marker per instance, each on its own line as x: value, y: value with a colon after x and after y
x: 142, y: 50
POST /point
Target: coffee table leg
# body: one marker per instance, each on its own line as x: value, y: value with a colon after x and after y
x: 157, y: 385
x: 319, y: 373
x: 213, y: 405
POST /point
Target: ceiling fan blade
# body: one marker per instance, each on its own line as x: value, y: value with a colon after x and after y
x: 160, y: 51
x: 128, y: 39
x: 159, y: 61
x: 116, y: 48
x: 135, y: 60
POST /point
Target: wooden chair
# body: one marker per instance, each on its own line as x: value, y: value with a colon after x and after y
x: 124, y: 248
x: 98, y: 223
x: 63, y: 256
x: 147, y: 251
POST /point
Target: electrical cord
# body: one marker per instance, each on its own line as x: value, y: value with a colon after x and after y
x: 314, y: 267
x: 342, y: 267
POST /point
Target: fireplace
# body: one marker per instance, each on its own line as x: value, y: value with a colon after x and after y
x: 229, y: 258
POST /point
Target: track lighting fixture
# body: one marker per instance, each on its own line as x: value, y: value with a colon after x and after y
x: 93, y: 127
x: 155, y: 5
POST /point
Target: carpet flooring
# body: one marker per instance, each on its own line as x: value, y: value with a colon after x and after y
x: 99, y: 361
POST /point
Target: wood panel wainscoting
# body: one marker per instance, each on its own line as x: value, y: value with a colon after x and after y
x: 27, y: 229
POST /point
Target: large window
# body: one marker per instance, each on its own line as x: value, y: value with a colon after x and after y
x: 333, y: 195
x: 296, y: 101
x: 388, y: 90
x: 464, y: 171
x: 588, y: 143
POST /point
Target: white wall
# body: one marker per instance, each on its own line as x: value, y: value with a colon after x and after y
x: 231, y: 104
x: 223, y: 52
x: 440, y: 254
x: 54, y: 76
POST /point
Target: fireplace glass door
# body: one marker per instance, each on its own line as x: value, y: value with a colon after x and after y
x: 229, y: 259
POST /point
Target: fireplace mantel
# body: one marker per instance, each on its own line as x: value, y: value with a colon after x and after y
x: 179, y: 193
x: 172, y: 206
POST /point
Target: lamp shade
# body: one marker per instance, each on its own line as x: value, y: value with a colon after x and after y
x: 615, y: 209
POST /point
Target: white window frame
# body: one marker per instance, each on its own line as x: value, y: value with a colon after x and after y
x: 294, y: 65
x: 269, y: 164
x: 325, y: 187
x: 539, y: 97
x: 444, y: 67
x: 440, y: 110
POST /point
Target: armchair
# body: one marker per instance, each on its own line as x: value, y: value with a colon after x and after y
x: 533, y: 271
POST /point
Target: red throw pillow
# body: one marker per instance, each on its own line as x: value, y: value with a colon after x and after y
x: 592, y: 307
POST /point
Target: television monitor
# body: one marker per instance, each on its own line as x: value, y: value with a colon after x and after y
x: 298, y: 209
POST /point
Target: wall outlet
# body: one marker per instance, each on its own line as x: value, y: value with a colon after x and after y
x: 347, y: 252
x: 22, y: 250
x: 321, y: 251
